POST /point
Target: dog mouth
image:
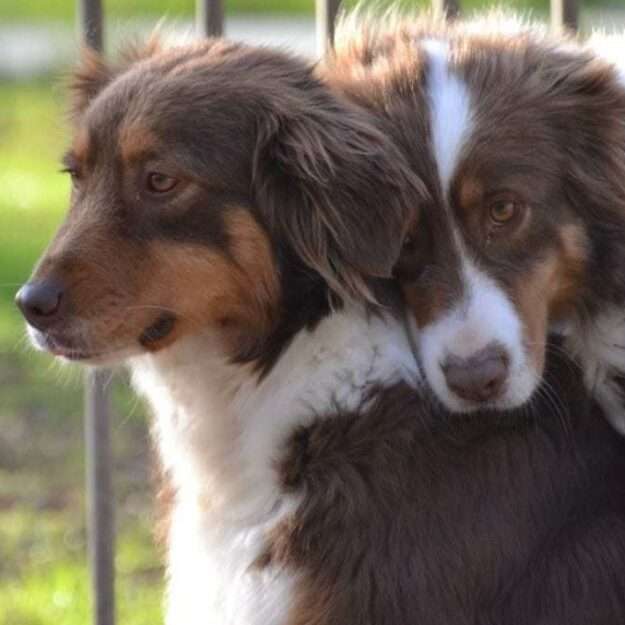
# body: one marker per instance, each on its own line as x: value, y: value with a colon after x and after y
x: 70, y: 348
x: 62, y: 346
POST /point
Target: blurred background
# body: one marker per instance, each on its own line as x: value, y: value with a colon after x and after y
x: 43, y: 571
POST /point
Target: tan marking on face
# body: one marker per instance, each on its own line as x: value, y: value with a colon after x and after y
x: 206, y: 289
x: 100, y: 273
x: 427, y: 303
x: 118, y: 289
x: 80, y: 145
x: 252, y: 252
x: 471, y: 192
x: 532, y: 300
x: 573, y: 252
x: 549, y: 292
x: 235, y: 290
x: 135, y: 142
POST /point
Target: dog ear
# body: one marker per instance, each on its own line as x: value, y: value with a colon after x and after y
x: 134, y: 51
x: 334, y: 187
x: 89, y: 77
x: 591, y: 108
x: 93, y: 73
x: 591, y: 113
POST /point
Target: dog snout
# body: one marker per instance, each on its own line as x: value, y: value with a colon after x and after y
x: 481, y: 377
x: 40, y: 302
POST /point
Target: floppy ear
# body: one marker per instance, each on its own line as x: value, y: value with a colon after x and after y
x: 591, y: 111
x: 89, y: 77
x: 333, y: 187
x: 138, y: 50
x: 93, y: 73
x: 591, y: 100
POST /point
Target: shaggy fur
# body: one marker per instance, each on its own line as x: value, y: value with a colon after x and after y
x: 232, y: 229
x: 494, y: 115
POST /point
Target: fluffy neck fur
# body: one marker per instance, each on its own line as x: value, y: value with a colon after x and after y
x: 221, y: 431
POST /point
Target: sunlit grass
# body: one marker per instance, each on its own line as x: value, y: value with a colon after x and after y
x: 33, y: 194
x: 65, y: 9
x: 44, y: 577
x: 121, y: 9
x: 43, y: 569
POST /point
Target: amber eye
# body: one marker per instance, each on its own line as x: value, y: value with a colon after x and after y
x: 160, y: 183
x: 502, y: 211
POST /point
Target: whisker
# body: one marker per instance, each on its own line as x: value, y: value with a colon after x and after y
x: 550, y: 394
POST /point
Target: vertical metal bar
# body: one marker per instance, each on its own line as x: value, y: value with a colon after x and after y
x: 326, y: 12
x: 564, y: 15
x: 209, y: 18
x: 449, y: 8
x: 100, y: 502
x: 90, y: 23
x: 98, y: 459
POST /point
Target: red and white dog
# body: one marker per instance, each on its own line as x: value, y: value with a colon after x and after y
x: 520, y: 140
x: 226, y: 209
x: 233, y: 227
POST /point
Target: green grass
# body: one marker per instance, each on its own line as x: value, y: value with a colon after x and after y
x: 65, y: 9
x: 43, y: 571
x: 33, y: 197
x: 43, y: 578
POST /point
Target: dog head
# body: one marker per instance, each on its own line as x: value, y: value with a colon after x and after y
x: 521, y: 143
x: 204, y: 178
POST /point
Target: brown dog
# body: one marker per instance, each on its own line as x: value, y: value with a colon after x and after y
x: 230, y: 218
x: 519, y: 138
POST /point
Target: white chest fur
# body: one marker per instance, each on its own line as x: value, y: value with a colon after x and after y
x: 220, y: 432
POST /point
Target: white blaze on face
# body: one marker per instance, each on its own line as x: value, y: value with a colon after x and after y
x: 450, y: 111
x: 483, y: 314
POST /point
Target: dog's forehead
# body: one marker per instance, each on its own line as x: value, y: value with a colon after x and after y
x: 125, y: 119
x: 510, y: 137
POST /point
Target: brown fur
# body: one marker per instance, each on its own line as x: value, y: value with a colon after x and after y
x: 290, y: 200
x: 547, y: 128
x: 411, y: 517
x: 290, y: 175
x: 136, y: 143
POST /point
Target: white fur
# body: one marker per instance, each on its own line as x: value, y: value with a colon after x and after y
x: 450, y: 111
x: 611, y: 47
x: 484, y: 315
x: 599, y: 348
x: 220, y: 432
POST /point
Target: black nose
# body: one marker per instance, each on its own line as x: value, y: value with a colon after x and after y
x: 40, y: 302
x: 480, y: 377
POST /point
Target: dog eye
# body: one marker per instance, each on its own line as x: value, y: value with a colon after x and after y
x: 502, y: 211
x: 73, y: 172
x: 160, y: 183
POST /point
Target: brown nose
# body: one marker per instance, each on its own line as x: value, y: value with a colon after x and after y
x: 40, y: 302
x: 480, y: 377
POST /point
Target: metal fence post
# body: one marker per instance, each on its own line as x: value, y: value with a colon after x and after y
x: 98, y: 458
x: 90, y: 23
x: 449, y: 8
x: 209, y: 18
x: 564, y: 15
x: 326, y: 12
x: 100, y: 498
